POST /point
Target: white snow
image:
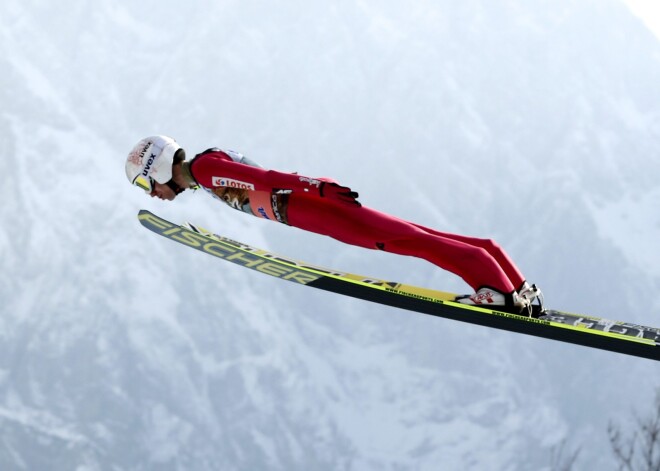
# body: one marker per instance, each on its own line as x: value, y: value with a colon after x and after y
x: 528, y: 123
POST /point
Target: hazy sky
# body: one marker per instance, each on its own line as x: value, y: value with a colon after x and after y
x: 649, y: 11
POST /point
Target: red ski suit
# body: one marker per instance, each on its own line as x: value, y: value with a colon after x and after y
x: 296, y: 200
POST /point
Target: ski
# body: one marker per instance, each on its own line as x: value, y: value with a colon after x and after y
x: 588, y: 331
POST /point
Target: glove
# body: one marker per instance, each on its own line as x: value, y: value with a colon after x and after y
x: 339, y: 193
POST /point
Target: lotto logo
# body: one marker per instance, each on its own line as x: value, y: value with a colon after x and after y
x: 228, y: 182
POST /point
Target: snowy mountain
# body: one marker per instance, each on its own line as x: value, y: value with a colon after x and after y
x: 532, y: 122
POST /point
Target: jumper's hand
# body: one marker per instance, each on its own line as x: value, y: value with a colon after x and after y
x: 339, y: 193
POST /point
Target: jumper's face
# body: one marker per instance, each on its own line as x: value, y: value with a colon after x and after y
x: 162, y: 191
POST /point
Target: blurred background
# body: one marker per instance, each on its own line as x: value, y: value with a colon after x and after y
x: 533, y: 122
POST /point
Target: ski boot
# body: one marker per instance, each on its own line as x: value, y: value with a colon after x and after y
x: 534, y: 295
x: 492, y: 298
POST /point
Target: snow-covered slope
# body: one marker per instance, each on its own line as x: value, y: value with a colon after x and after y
x: 534, y: 122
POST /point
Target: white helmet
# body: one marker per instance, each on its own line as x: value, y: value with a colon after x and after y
x: 151, y: 159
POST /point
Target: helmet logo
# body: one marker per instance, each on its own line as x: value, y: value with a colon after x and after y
x: 136, y: 157
x: 147, y: 167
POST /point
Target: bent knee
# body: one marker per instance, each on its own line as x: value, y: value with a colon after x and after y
x: 490, y: 246
x: 479, y: 255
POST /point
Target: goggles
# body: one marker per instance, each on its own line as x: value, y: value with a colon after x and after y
x: 146, y: 183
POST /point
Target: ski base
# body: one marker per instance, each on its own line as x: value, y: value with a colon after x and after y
x: 588, y: 331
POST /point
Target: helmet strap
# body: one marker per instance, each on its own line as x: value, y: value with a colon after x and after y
x: 175, y: 187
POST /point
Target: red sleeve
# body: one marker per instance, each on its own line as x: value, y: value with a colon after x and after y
x: 217, y: 169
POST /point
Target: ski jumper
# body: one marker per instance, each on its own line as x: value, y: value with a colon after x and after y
x: 298, y: 201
